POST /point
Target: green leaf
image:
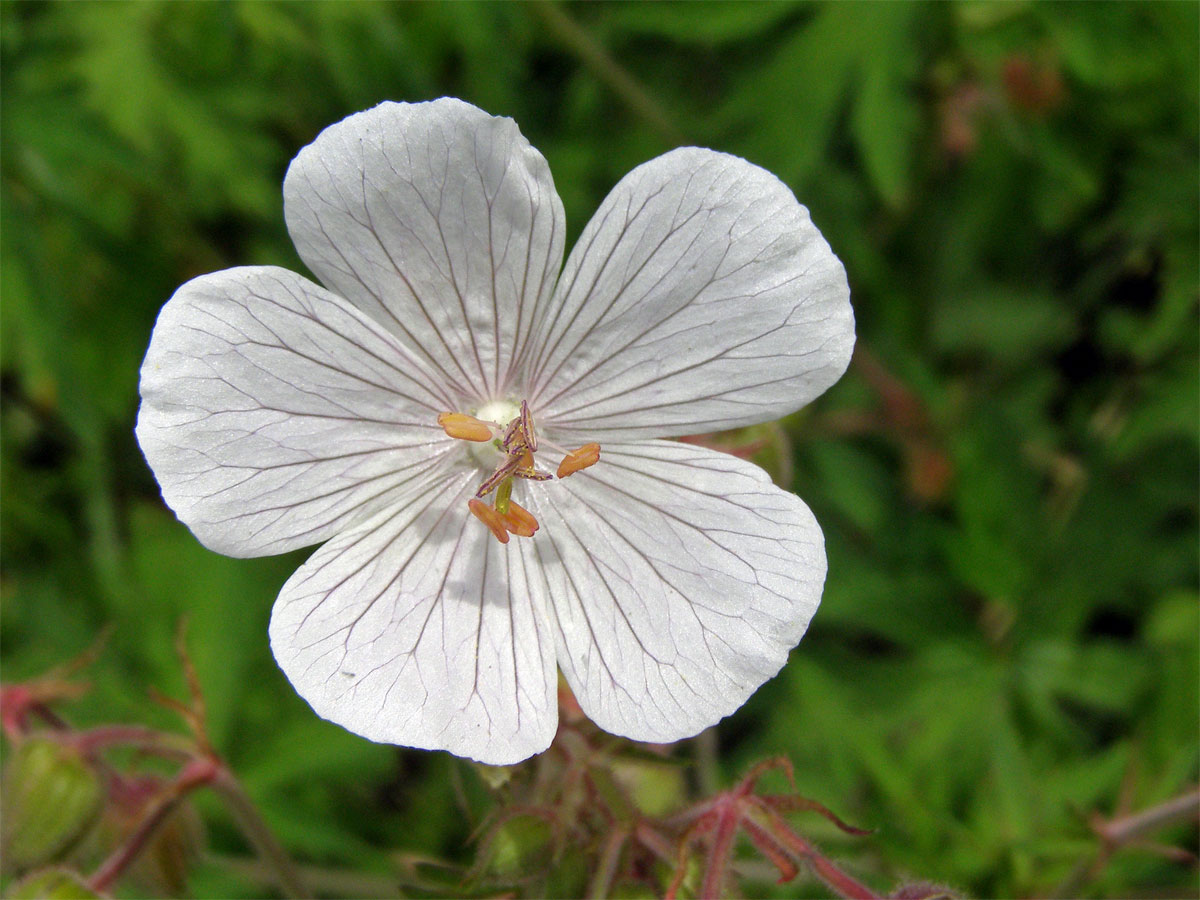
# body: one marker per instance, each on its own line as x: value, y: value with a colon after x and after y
x: 884, y: 120
x: 1009, y: 324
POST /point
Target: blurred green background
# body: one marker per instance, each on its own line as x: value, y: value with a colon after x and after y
x: 1007, y: 476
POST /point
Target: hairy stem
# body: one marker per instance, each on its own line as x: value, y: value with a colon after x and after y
x: 719, y: 858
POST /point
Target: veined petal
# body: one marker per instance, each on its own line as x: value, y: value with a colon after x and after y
x: 680, y: 578
x: 273, y: 412
x: 439, y: 221
x: 700, y: 297
x: 419, y: 628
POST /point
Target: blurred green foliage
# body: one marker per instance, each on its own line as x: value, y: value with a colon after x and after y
x: 1007, y: 478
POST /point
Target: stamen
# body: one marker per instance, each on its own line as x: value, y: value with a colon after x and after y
x: 520, y: 521
x: 464, y: 427
x: 529, y: 470
x: 526, y: 420
x: 513, y: 441
x: 587, y: 455
x: 489, y: 517
x: 504, y: 470
x: 520, y: 434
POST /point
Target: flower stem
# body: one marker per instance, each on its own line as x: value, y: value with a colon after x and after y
x: 719, y: 858
x: 261, y: 838
x: 611, y: 794
x: 842, y: 883
x: 195, y: 774
x: 1125, y: 829
x: 606, y: 868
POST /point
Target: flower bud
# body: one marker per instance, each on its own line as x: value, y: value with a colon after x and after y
x: 656, y: 788
x: 520, y: 845
x: 51, y: 797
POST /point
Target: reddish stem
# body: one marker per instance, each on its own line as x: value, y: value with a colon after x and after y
x: 195, y: 774
x: 658, y: 844
x: 1122, y: 830
x: 843, y: 884
x: 606, y: 869
x: 145, y: 739
x: 722, y: 848
x: 770, y: 847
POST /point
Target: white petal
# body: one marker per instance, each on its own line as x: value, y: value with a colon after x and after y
x: 419, y: 628
x: 700, y: 297
x: 680, y: 578
x: 273, y: 412
x: 438, y: 220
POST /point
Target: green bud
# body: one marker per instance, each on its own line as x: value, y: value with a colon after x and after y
x: 52, y: 884
x: 520, y: 846
x: 51, y: 797
x: 656, y: 788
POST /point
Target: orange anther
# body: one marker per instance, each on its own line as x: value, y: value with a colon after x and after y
x: 489, y: 517
x: 520, y: 521
x: 464, y: 427
x: 587, y: 455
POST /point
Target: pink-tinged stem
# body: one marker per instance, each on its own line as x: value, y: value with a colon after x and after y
x: 195, y: 774
x: 772, y: 850
x: 844, y: 885
x: 718, y: 863
x: 1119, y: 831
x: 658, y: 844
x: 146, y: 740
x: 606, y: 869
x: 840, y: 882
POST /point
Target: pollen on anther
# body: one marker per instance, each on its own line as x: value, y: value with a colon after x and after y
x: 520, y: 521
x: 489, y: 517
x: 464, y: 427
x: 587, y: 455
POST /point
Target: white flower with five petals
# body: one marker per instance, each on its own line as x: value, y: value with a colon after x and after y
x: 404, y: 414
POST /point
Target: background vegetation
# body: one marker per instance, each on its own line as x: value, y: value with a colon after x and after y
x: 1007, y: 477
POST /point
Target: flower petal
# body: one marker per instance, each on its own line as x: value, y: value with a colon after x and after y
x: 273, y: 412
x: 680, y: 577
x: 419, y: 628
x: 439, y: 221
x: 700, y: 297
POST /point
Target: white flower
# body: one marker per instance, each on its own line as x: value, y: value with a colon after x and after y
x: 666, y: 581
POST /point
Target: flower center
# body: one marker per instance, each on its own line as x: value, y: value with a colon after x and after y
x: 503, y: 439
x: 500, y: 413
